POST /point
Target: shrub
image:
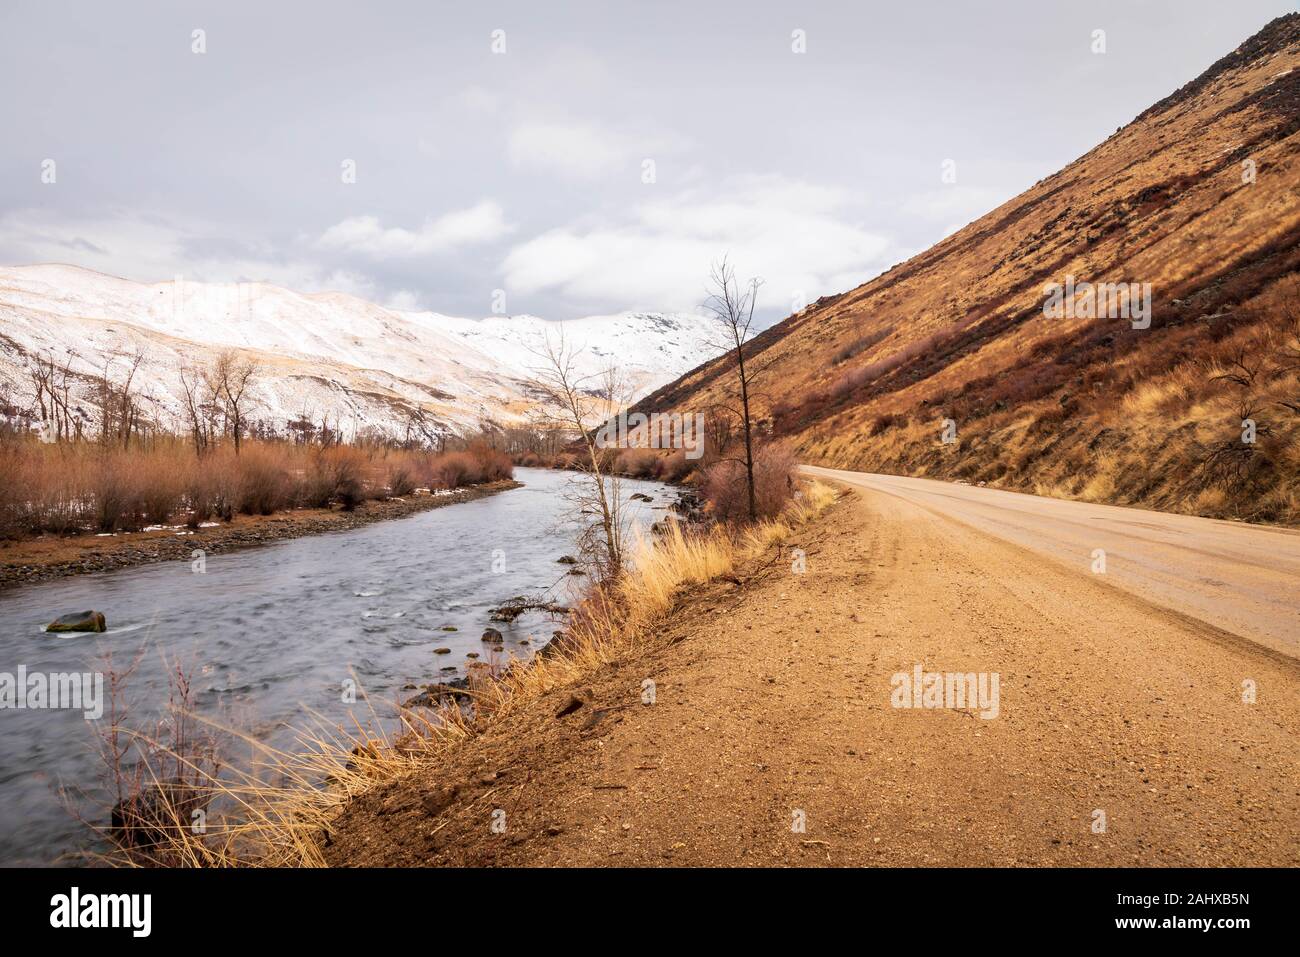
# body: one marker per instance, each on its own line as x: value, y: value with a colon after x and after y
x: 159, y: 495
x: 344, y: 467
x: 883, y: 422
x: 454, y: 470
x: 400, y: 479
x: 674, y: 467
x: 317, y: 482
x: 637, y: 463
x: 725, y: 485
x: 200, y: 496
x: 264, y: 485
x: 114, y: 497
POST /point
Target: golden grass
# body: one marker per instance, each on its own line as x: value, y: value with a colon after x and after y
x: 280, y: 824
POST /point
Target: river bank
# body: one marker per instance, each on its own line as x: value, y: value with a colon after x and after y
x: 51, y: 557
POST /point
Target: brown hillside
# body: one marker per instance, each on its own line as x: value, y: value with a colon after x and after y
x: 1083, y: 407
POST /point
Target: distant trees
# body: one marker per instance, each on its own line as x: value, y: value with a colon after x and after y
x: 52, y: 384
x: 119, y: 409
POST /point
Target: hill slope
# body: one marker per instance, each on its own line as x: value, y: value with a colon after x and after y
x: 1199, y: 196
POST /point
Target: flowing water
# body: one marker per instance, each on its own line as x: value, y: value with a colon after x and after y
x: 271, y: 634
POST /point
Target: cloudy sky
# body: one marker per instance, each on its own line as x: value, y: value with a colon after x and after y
x: 587, y: 158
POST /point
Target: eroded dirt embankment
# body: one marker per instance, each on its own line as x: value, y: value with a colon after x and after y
x: 773, y: 708
x: 52, y: 556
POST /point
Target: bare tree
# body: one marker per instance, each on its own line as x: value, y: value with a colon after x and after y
x: 583, y: 401
x: 229, y: 379
x: 196, y: 420
x: 731, y: 304
x: 119, y: 409
x: 53, y: 382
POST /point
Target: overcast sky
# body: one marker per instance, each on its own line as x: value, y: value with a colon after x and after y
x: 525, y: 170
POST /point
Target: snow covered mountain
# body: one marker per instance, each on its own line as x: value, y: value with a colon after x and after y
x: 321, y: 356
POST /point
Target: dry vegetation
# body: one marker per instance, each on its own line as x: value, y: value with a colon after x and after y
x: 80, y: 486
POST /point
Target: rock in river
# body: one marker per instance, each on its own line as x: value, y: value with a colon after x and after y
x: 79, y: 621
x: 491, y: 634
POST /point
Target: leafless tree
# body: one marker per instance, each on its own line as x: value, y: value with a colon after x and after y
x: 196, y: 409
x: 52, y: 383
x: 731, y: 303
x: 229, y: 379
x: 583, y: 401
x: 119, y: 407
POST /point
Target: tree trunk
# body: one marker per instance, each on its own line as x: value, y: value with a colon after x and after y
x: 749, y: 439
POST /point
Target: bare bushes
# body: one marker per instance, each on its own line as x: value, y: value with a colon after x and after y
x: 264, y: 484
x: 724, y: 485
x: 71, y: 487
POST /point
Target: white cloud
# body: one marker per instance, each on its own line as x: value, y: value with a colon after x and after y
x: 365, y: 235
x: 796, y: 237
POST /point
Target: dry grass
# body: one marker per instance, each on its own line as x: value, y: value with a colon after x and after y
x: 276, y: 814
x: 1157, y: 424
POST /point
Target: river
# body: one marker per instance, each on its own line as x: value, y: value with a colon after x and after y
x: 270, y: 634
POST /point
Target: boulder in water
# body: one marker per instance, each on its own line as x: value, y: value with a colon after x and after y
x: 79, y: 621
x: 491, y: 634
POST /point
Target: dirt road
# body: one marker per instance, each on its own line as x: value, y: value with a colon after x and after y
x: 1121, y: 735
x: 1242, y: 578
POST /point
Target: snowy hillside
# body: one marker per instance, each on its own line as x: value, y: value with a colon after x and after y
x: 323, y: 356
x: 644, y: 346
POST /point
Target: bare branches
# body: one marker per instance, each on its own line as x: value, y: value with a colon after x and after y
x: 1241, y: 369
x: 228, y: 381
x: 732, y: 306
x: 53, y: 386
x: 583, y: 400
